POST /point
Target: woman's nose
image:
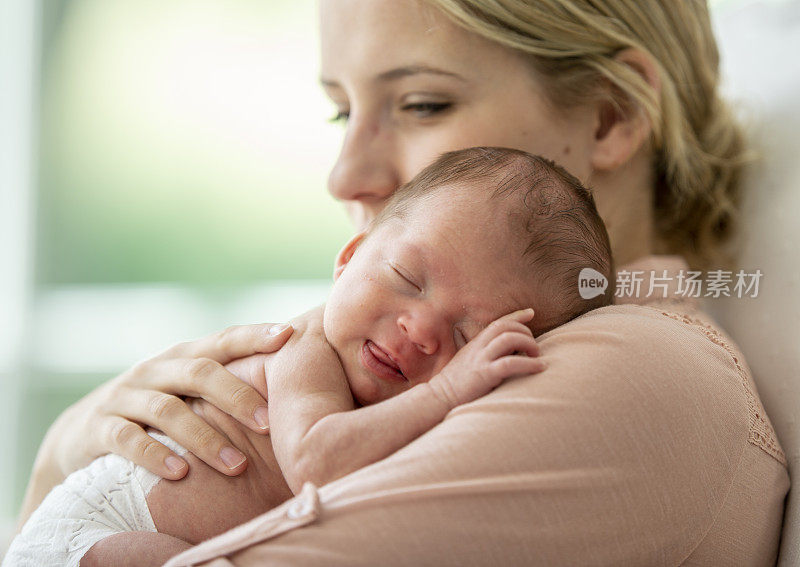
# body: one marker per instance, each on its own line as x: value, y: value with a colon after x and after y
x: 422, y: 329
x: 365, y: 171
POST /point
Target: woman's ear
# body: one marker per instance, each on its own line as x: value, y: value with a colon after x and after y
x: 623, y: 128
x: 346, y: 253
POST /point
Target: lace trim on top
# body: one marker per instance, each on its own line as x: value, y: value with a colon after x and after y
x: 761, y: 433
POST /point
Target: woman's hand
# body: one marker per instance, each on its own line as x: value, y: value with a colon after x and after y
x: 504, y: 349
x: 111, y: 419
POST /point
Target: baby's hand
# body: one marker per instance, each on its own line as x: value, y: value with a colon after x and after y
x: 504, y: 349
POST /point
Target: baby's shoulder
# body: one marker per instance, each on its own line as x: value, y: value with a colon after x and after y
x: 307, y: 353
x: 309, y: 325
x: 308, y: 336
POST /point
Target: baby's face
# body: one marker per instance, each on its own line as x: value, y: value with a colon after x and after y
x: 417, y: 289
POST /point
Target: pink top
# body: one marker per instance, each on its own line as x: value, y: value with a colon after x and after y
x: 643, y: 443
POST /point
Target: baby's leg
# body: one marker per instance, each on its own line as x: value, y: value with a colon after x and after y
x: 134, y: 549
x: 105, y: 498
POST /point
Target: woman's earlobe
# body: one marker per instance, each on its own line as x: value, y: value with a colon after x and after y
x: 622, y: 126
x: 618, y: 137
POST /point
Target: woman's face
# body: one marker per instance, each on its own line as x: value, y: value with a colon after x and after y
x: 409, y: 85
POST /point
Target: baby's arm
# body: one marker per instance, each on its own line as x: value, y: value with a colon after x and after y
x: 318, y: 439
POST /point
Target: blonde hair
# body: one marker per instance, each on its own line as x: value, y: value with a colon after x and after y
x: 699, y: 147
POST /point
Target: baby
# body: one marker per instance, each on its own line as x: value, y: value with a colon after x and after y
x: 430, y: 309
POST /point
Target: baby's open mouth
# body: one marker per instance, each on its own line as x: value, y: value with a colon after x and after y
x: 380, y: 362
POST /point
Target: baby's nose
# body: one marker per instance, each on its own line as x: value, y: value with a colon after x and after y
x: 422, y: 330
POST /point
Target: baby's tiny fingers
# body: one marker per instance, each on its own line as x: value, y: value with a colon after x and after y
x: 523, y: 315
x: 509, y: 366
x: 509, y: 343
x: 502, y: 325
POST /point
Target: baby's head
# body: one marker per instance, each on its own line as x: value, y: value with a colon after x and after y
x: 477, y: 234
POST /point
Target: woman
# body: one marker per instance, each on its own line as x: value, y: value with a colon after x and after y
x: 644, y: 442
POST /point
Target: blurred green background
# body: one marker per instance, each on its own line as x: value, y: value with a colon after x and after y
x: 184, y: 141
x: 180, y: 176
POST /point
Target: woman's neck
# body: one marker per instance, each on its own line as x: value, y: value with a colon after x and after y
x: 624, y: 200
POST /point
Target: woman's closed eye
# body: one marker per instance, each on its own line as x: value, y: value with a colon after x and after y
x: 426, y: 109
x: 419, y: 110
x: 340, y: 117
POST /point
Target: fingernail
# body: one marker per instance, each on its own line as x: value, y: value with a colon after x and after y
x: 278, y: 329
x: 261, y: 417
x: 174, y: 464
x: 231, y: 457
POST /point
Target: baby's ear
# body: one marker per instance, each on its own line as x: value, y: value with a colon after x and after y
x: 346, y: 253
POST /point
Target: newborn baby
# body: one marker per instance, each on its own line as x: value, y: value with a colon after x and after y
x: 430, y: 309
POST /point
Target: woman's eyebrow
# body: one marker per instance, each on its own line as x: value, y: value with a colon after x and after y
x: 401, y: 72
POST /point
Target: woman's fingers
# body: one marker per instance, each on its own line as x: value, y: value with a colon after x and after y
x: 208, y: 379
x: 150, y: 392
x: 130, y: 441
x: 175, y: 418
x: 234, y: 342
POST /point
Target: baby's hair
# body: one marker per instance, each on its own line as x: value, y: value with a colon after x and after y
x: 554, y: 215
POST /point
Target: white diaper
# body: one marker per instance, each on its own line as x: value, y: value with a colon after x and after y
x: 105, y: 498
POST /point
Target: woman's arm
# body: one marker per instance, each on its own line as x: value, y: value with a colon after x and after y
x: 318, y: 436
x: 111, y: 418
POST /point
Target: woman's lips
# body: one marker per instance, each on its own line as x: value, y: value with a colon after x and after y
x: 377, y: 361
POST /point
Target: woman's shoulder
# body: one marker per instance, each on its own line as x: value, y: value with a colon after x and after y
x: 673, y: 394
x: 654, y: 330
x: 653, y: 344
x: 677, y: 353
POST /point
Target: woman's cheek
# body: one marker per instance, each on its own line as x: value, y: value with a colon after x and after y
x: 426, y: 146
